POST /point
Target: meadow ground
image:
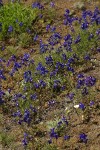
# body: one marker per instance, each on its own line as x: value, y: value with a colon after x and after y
x: 50, y: 75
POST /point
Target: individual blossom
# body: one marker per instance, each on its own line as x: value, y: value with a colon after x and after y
x: 25, y: 140
x: 21, y: 24
x: 2, y: 75
x: 50, y: 141
x: 84, y: 25
x: 90, y: 81
x: 10, y: 29
x: 54, y: 39
x: 66, y: 137
x: 16, y: 66
x: 70, y: 96
x: 78, y: 39
x: 35, y: 38
x: 53, y: 134
x: 85, y: 91
x: 26, y: 117
x: 87, y: 57
x: 47, y: 27
x: 37, y: 5
x: 65, y: 120
x: 33, y: 96
x: 83, y: 137
x: 81, y: 106
x: 27, y: 76
x: 80, y: 75
x: 41, y: 69
x: 52, y: 4
x: 64, y: 57
x: 91, y: 36
x: 92, y: 103
x: 49, y: 60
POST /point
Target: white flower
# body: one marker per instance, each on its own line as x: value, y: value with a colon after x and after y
x: 76, y: 106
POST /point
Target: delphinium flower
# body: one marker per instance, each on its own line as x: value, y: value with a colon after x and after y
x: 85, y: 91
x: 98, y: 49
x: 47, y: 27
x: 69, y: 68
x: 98, y: 32
x: 80, y: 75
x: 64, y: 120
x: 16, y: 96
x: 1, y: 100
x: 49, y: 60
x: 87, y: 57
x: 95, y: 17
x: 36, y: 85
x: 21, y: 24
x: 91, y: 36
x: 59, y: 66
x: 51, y: 102
x: 90, y: 81
x: 37, y: 5
x: 68, y: 37
x: 84, y: 25
x: 13, y: 58
x: 69, y: 19
x: 81, y: 106
x: 50, y: 141
x: 10, y: 29
x: 63, y: 87
x: 52, y: 4
x: 59, y: 49
x: 35, y: 38
x: 85, y: 14
x: 16, y: 66
x: 78, y: 39
x: 70, y: 96
x: 53, y: 134
x: 33, y: 96
x: 64, y: 56
x: 92, y: 103
x: 53, y: 29
x: 80, y: 83
x: 17, y: 114
x: 3, y: 47
x: 56, y: 85
x: 53, y: 73
x: 43, y: 47
x: 2, y: 75
x: 25, y: 140
x: 42, y: 83
x: 83, y: 137
x: 1, y: 95
x: 54, y: 39
x: 28, y: 76
x: 66, y: 137
x: 1, y: 3
x: 25, y: 59
x: 41, y: 69
x: 28, y: 30
x: 67, y: 42
x: 33, y: 109
x: 26, y: 117
x: 59, y: 123
x: 71, y: 60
